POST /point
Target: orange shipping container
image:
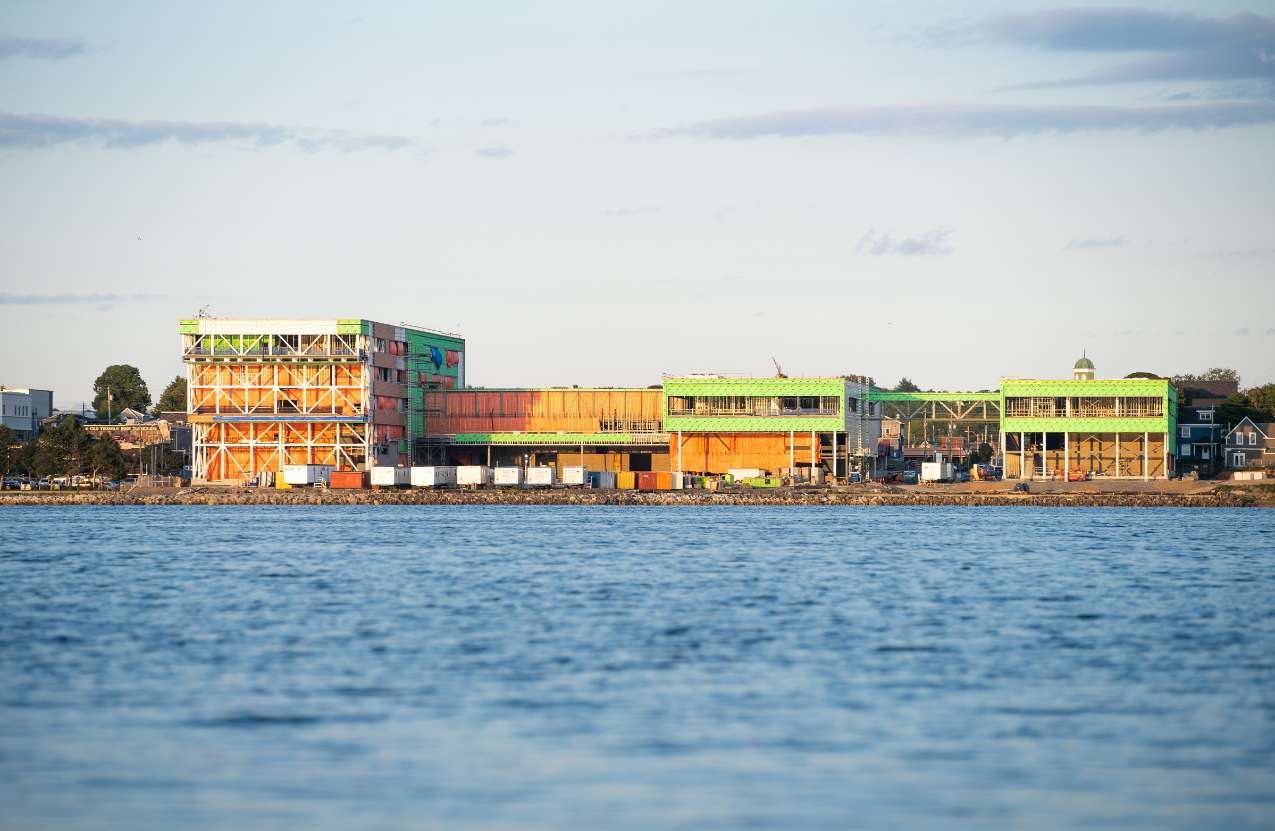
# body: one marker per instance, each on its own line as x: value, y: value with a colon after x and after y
x: 347, y: 479
x: 625, y: 479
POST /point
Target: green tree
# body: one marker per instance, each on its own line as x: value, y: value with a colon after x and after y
x: 173, y: 400
x: 9, y: 449
x: 127, y: 389
x: 24, y: 459
x: 1262, y: 399
x: 906, y: 385
x: 983, y: 454
x: 1219, y: 373
x: 62, y: 450
x: 1236, y: 408
x: 106, y: 459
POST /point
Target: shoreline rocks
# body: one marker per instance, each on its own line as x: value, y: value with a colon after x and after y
x: 1222, y: 498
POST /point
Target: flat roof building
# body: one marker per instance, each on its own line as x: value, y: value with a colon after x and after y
x: 264, y: 393
x: 22, y: 409
x: 1113, y: 428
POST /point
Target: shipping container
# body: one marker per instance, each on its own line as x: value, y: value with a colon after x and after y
x: 625, y: 480
x: 347, y: 479
x: 602, y: 479
x: 471, y: 475
x: 506, y: 476
x: 539, y: 477
x: 435, y: 476
x: 745, y: 472
x: 936, y: 472
x: 663, y: 481
x: 646, y: 480
x: 680, y: 481
x: 384, y: 476
x: 306, y: 474
x: 574, y: 476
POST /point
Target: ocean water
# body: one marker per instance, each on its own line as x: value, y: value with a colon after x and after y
x: 636, y: 668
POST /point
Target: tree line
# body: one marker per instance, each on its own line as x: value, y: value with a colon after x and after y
x: 64, y: 450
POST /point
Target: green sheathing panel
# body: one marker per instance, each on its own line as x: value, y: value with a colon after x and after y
x: 353, y: 327
x: 1069, y: 388
x: 188, y: 327
x: 759, y: 388
x: 568, y: 439
x: 421, y: 345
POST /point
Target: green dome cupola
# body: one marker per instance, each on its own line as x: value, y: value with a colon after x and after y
x: 1084, y: 369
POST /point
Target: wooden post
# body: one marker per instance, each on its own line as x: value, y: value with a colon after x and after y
x: 792, y: 451
x: 1022, y: 454
x: 1146, y: 455
x: 1066, y: 455
x: 834, y: 455
x: 1117, y: 454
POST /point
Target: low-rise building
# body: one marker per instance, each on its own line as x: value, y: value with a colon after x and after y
x: 1251, y: 446
x: 23, y: 409
x: 1084, y: 426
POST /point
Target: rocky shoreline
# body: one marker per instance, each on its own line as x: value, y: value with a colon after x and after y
x: 1220, y: 498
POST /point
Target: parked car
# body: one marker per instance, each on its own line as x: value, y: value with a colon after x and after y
x: 910, y: 477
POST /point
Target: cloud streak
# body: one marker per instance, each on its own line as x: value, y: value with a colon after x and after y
x: 977, y: 120
x: 1095, y: 242
x: 44, y: 49
x: 495, y: 152
x: 1178, y: 47
x: 76, y: 298
x: 36, y: 131
x: 931, y: 243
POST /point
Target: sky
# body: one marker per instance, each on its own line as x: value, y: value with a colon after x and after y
x: 603, y: 193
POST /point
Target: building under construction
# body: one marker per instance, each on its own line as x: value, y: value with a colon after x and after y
x: 799, y: 425
x: 603, y: 428
x: 262, y: 394
x: 355, y: 394
x: 1123, y: 428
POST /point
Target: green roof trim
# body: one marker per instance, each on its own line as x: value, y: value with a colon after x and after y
x: 188, y: 327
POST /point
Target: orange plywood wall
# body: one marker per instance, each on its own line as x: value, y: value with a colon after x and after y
x: 719, y: 452
x: 317, y: 389
x: 550, y: 411
x: 241, y: 451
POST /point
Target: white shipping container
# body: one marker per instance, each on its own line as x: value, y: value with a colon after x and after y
x: 746, y: 472
x: 574, y: 476
x: 506, y: 476
x: 936, y: 472
x: 471, y: 475
x: 433, y: 477
x: 385, y: 476
x: 679, y: 481
x: 306, y: 474
x: 539, y: 477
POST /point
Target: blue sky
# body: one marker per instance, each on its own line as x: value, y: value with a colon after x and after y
x: 597, y: 194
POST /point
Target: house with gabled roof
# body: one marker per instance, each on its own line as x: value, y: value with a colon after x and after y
x: 1250, y: 445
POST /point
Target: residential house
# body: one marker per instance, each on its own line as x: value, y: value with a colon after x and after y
x: 1251, y: 446
x: 1200, y: 438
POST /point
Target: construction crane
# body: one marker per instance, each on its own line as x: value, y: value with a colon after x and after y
x: 779, y: 370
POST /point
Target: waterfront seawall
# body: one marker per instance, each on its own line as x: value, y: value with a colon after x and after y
x: 1218, y: 498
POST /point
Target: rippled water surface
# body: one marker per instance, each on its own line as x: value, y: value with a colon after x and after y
x: 680, y: 668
